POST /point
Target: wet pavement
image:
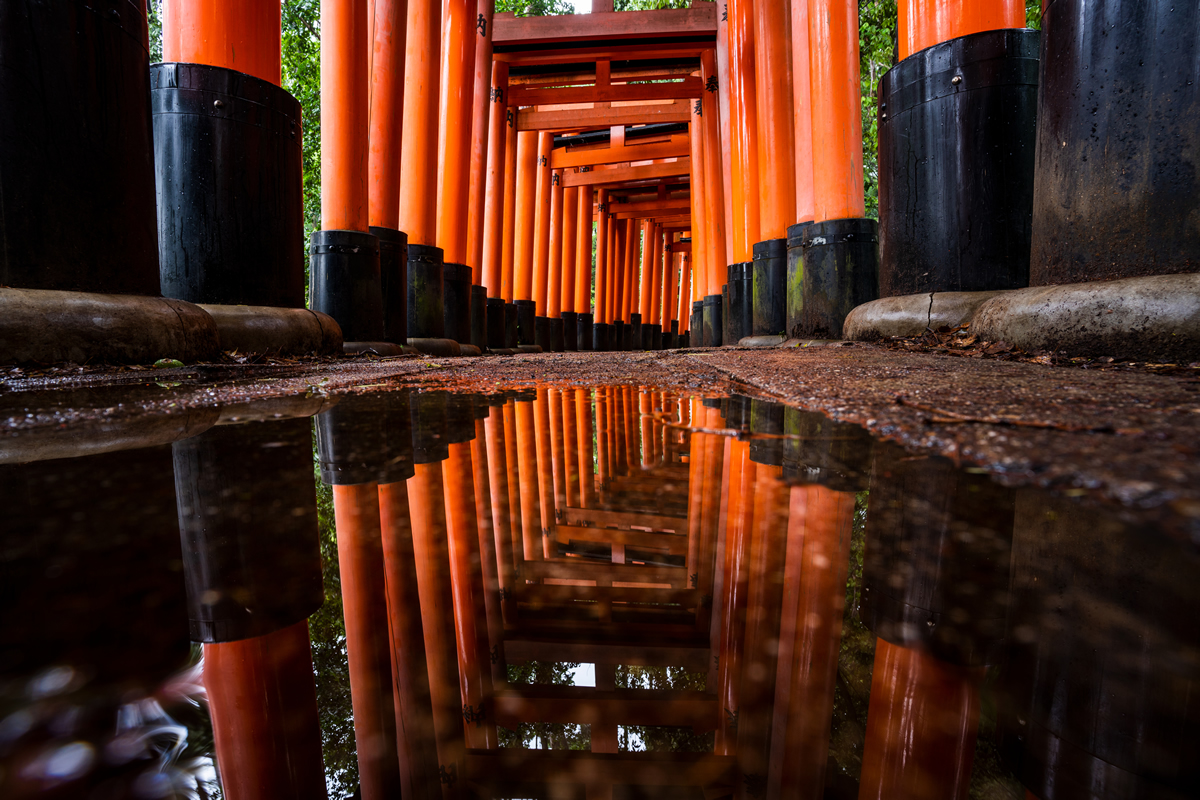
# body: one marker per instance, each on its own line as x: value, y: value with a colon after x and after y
x: 579, y: 580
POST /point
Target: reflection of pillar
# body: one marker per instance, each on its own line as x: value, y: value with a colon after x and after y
x: 646, y: 407
x: 470, y: 610
x: 502, y: 519
x: 570, y: 440
x: 603, y: 465
x: 742, y: 472
x: 558, y: 453
x: 512, y: 456
x: 427, y: 512
x: 530, y: 483
x: 587, y: 469
x: 415, y: 739
x: 818, y: 552
x: 620, y: 455
x: 921, y: 727
x: 628, y: 399
x: 263, y: 705
x: 545, y: 471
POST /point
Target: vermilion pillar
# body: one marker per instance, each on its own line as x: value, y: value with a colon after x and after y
x: 776, y: 137
x: 715, y: 248
x: 921, y: 726
x: 545, y: 471
x: 456, y: 112
x: 387, y: 22
x: 570, y: 450
x: 513, y: 457
x: 508, y: 247
x: 601, y: 255
x: 498, y: 484
x: 344, y: 86
x: 744, y: 127
x: 583, y: 252
x: 494, y: 203
x: 530, y: 489
x: 570, y: 253
x: 557, y: 449
x: 735, y: 594
x: 645, y: 292
x: 427, y: 511
x: 632, y: 248
x: 481, y: 137
x: 419, y: 164
x: 525, y: 214
x: 554, y: 268
x: 610, y: 271
x: 924, y: 23
x: 686, y: 292
x: 415, y: 737
x: 587, y: 474
x: 726, y: 131
x: 263, y: 705
x: 488, y: 558
x: 656, y: 277
x: 836, y: 110
x: 802, y: 111
x: 364, y: 607
x: 668, y: 290
x: 541, y: 229
x: 243, y: 35
x: 620, y: 237
x: 699, y: 194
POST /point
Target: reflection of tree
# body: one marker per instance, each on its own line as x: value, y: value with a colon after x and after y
x: 332, y: 671
x: 545, y: 735
x: 636, y: 738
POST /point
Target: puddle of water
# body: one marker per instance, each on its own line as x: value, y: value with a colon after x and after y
x: 572, y: 592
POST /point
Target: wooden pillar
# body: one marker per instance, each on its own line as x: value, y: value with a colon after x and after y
x: 427, y: 512
x: 242, y: 35
x: 726, y: 131
x: 470, y: 611
x: 554, y: 270
x: 570, y: 252
x: 502, y: 521
x: 744, y: 128
x: 921, y: 726
x: 415, y: 738
x: 481, y: 103
x: 488, y: 552
x: 344, y: 85
x: 924, y: 23
x: 387, y: 22
x: 601, y: 254
x: 686, y: 291
x: 263, y: 705
x: 419, y: 146
x: 494, y: 202
x: 508, y: 247
x: 454, y: 134
x: 525, y: 215
x: 819, y: 526
x: 776, y: 124
x: 541, y: 228
x: 632, y: 248
x: 570, y: 438
x: 364, y: 609
x: 836, y: 110
x: 554, y: 400
x: 668, y: 294
x: 715, y: 248
x: 530, y: 486
x: 802, y: 111
x: 587, y: 473
x: 740, y: 516
x: 544, y: 472
x: 583, y: 252
x: 603, y: 447
x: 620, y: 273
x: 646, y: 291
x: 699, y: 196
x: 515, y: 516
x: 656, y: 284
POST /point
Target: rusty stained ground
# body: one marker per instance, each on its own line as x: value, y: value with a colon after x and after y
x: 1126, y: 440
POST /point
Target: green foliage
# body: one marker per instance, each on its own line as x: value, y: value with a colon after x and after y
x: 545, y: 735
x: 638, y: 738
x: 534, y: 8
x: 327, y: 629
x: 876, y: 52
x: 301, y: 56
x: 154, y: 17
x: 649, y: 5
x: 1033, y: 14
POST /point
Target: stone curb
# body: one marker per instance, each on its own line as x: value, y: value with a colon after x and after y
x: 1148, y: 318
x: 266, y: 329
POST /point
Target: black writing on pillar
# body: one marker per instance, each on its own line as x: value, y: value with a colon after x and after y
x: 711, y: 84
x: 505, y: 594
x: 695, y: 579
x: 512, y: 121
x: 756, y: 785
x: 603, y: 208
x: 699, y: 109
x: 542, y: 161
x: 556, y: 179
x: 448, y: 774
x: 481, y: 23
x: 495, y: 654
x: 497, y: 95
x: 585, y: 169
x: 732, y: 718
x: 725, y: 13
x: 473, y: 715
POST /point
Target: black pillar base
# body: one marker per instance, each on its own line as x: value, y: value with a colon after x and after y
x: 841, y: 271
x: 726, y: 333
x: 526, y: 327
x: 685, y: 341
x: 456, y: 295
x: 618, y: 335
x: 393, y: 282
x: 741, y: 301
x: 570, y: 327
x: 711, y: 322
x: 635, y: 332
x: 698, y: 321
x: 600, y: 334
x: 671, y: 340
x: 345, y: 282
x: 795, y: 277
x: 656, y: 337
x: 426, y: 306
x: 647, y: 341
x: 479, y: 317
x: 556, y: 335
x: 627, y: 337
x: 541, y: 329
x: 510, y: 326
x: 769, y: 288
x: 584, y: 338
x: 495, y: 323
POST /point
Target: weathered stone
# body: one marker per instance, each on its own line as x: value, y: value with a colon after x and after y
x: 46, y: 326
x: 378, y: 348
x: 911, y: 314
x: 1154, y: 318
x: 436, y: 347
x: 285, y: 331
x: 761, y: 341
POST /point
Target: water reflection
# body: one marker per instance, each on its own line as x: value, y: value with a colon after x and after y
x: 573, y: 592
